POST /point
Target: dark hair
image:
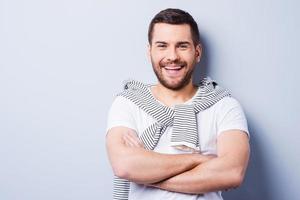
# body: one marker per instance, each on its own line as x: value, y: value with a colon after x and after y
x: 175, y: 16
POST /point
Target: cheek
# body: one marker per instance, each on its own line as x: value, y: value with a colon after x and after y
x: 157, y: 57
x: 189, y: 57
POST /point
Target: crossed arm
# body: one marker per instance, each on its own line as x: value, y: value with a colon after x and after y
x: 186, y: 173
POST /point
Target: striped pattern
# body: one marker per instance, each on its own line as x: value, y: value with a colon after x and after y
x: 121, y: 189
x: 185, y: 127
x: 182, y: 118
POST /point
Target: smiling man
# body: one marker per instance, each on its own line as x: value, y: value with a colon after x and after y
x: 174, y: 139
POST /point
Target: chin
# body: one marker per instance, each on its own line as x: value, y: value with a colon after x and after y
x: 174, y: 86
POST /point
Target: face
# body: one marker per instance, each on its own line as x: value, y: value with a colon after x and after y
x: 173, y: 54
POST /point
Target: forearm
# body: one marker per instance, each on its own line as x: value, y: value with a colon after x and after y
x: 223, y: 172
x: 131, y: 161
x: 206, y: 177
x: 144, y: 166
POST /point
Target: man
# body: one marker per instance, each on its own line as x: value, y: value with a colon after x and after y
x: 176, y: 140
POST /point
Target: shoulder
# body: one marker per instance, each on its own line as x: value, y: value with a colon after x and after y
x: 228, y: 102
x: 122, y: 105
x: 228, y: 106
x: 121, y: 101
x: 225, y: 107
x: 230, y: 115
x: 121, y: 113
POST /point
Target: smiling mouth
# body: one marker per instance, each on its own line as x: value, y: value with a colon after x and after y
x: 174, y: 67
x: 173, y: 71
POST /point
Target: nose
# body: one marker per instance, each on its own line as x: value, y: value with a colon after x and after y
x: 172, y: 54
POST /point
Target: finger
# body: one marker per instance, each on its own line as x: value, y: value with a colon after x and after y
x: 134, y: 139
x: 127, y: 141
x: 131, y: 141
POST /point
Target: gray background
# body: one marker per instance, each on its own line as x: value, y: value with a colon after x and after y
x: 61, y: 62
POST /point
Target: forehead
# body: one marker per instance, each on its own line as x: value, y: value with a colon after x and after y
x: 171, y: 33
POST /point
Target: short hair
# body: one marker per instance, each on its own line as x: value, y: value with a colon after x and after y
x: 176, y: 17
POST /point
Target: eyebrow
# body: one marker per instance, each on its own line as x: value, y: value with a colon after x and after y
x: 184, y: 42
x: 178, y: 43
x: 160, y: 42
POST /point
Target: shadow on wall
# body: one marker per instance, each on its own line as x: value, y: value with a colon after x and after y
x: 256, y: 185
x: 201, y: 70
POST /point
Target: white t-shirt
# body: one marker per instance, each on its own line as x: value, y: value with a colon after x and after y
x: 226, y: 114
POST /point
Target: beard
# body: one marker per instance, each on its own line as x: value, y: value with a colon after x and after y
x: 183, y: 81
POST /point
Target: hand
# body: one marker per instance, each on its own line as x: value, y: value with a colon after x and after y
x: 131, y: 139
x: 199, y: 158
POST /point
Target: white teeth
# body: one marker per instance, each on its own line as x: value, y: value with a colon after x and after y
x: 173, y: 68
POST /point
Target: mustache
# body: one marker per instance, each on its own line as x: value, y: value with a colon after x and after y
x: 176, y: 62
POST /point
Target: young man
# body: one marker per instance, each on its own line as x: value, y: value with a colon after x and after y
x: 176, y: 140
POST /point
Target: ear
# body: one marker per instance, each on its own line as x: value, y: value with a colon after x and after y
x: 198, y: 52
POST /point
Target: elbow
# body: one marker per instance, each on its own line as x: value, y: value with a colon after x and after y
x: 121, y: 170
x: 236, y: 180
x: 121, y: 173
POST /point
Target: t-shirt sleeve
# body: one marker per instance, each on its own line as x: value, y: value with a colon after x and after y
x: 121, y: 113
x: 231, y: 116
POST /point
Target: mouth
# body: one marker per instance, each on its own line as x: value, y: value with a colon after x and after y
x: 173, y: 67
x: 173, y: 70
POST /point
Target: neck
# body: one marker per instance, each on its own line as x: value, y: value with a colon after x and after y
x: 173, y: 97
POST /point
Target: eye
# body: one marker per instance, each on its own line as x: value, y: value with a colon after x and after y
x: 183, y: 46
x: 161, y: 46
